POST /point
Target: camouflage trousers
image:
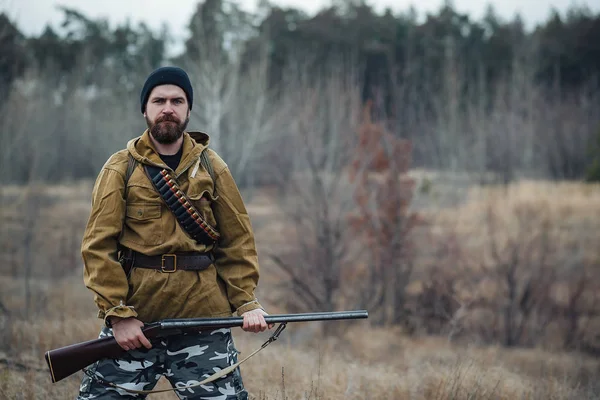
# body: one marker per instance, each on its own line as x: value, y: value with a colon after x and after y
x: 182, y: 359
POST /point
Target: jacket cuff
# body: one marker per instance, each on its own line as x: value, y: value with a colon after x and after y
x: 121, y: 311
x: 249, y: 306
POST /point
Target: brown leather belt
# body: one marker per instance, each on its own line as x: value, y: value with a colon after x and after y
x: 189, y: 261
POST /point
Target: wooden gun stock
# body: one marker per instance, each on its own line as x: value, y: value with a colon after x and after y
x: 67, y: 360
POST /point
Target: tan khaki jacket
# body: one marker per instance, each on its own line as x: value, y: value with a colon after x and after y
x: 143, y: 223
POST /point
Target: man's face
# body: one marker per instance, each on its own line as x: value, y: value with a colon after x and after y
x: 167, y: 113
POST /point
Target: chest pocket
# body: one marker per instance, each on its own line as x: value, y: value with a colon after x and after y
x: 144, y: 223
x: 142, y: 212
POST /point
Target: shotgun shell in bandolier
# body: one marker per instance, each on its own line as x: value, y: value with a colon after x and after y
x: 187, y: 215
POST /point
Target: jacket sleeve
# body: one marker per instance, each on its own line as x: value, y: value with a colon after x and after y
x: 103, y: 273
x: 236, y: 257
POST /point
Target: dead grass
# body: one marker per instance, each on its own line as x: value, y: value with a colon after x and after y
x: 567, y: 213
x: 573, y: 206
x: 361, y: 362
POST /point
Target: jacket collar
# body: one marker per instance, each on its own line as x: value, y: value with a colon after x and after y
x: 142, y: 149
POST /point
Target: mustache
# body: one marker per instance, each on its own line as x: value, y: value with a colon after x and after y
x: 167, y: 118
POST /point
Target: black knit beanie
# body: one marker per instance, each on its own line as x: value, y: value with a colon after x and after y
x: 167, y: 76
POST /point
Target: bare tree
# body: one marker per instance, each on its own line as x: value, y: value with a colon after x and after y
x: 234, y: 105
x: 521, y: 263
x: 316, y: 195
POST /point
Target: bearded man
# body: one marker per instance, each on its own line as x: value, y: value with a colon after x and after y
x: 148, y: 257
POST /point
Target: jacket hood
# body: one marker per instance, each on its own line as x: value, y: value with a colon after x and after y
x: 142, y: 148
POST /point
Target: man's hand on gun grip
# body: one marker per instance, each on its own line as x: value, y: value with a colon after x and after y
x: 128, y: 333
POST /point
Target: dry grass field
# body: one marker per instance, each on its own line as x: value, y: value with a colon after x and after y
x: 361, y: 362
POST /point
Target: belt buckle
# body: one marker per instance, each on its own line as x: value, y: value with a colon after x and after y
x: 163, y: 258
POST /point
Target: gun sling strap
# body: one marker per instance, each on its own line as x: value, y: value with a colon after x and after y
x: 98, y: 378
x: 189, y: 218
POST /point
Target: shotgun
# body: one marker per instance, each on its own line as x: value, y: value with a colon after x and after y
x: 65, y: 361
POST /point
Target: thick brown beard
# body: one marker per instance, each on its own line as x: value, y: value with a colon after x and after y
x: 166, y: 133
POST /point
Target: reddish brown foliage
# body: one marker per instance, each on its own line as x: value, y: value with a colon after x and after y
x: 383, y: 221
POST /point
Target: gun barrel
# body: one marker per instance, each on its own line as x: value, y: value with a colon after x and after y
x: 227, y: 322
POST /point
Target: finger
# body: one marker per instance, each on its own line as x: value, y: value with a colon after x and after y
x: 249, y: 323
x: 145, y: 342
x: 263, y: 315
x: 254, y: 324
x: 134, y: 343
x: 124, y: 346
x: 246, y: 322
x: 263, y: 323
x: 122, y: 343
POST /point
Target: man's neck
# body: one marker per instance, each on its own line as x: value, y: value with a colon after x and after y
x: 167, y: 149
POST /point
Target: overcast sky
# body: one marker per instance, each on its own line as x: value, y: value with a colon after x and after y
x: 31, y: 16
